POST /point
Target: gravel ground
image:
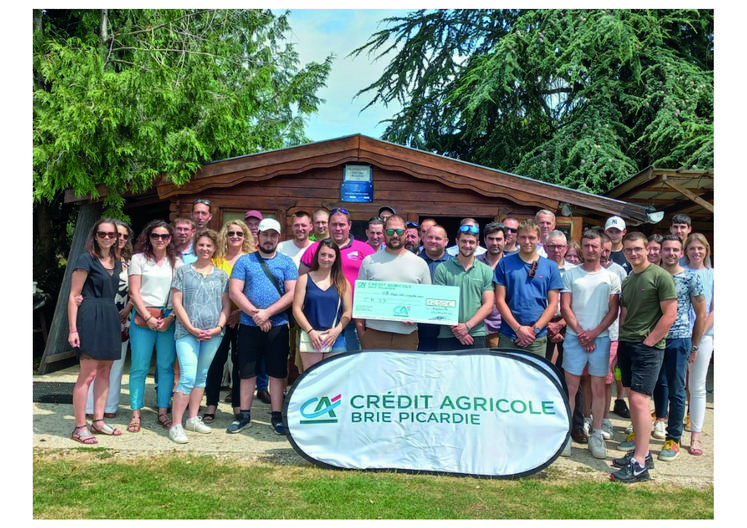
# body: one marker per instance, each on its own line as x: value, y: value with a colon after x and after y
x: 53, y: 423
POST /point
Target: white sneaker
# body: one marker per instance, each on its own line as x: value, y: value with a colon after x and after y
x: 587, y: 425
x: 567, y: 449
x: 607, y: 429
x: 660, y: 430
x: 597, y: 445
x: 177, y: 434
x: 197, y: 425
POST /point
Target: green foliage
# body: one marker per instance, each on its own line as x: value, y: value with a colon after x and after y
x: 581, y: 98
x: 161, y: 92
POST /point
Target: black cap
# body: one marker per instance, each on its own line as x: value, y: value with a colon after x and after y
x: 386, y: 208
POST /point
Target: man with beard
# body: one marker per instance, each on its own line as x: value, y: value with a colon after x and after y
x: 262, y: 285
x: 433, y: 253
x: 476, y: 299
x: 394, y: 264
x: 495, y: 239
x: 412, y: 237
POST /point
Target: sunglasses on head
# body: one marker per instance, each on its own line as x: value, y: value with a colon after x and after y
x: 391, y: 232
x: 159, y: 236
x: 339, y: 210
x: 202, y: 201
x: 106, y: 234
x: 412, y: 224
x: 469, y: 229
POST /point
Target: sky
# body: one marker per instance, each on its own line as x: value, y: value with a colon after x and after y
x: 317, y: 33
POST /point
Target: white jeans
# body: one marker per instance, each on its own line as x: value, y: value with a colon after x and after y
x: 698, y: 373
x: 115, y: 384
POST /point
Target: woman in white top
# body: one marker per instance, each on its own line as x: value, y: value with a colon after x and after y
x: 697, y: 251
x: 151, y: 272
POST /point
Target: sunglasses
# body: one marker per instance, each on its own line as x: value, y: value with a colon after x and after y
x: 106, y: 234
x: 235, y: 233
x: 412, y: 224
x: 469, y: 229
x: 124, y: 236
x: 511, y: 229
x: 157, y: 236
x: 339, y: 210
x: 533, y: 269
x: 202, y: 201
x: 391, y: 232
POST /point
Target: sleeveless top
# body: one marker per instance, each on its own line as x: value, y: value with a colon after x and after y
x: 320, y: 306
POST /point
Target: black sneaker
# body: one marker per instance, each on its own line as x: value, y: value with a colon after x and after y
x: 633, y: 472
x: 243, y: 419
x: 621, y: 408
x: 624, y: 461
x: 277, y: 425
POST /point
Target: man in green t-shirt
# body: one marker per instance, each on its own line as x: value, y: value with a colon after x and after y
x: 476, y: 297
x: 648, y: 310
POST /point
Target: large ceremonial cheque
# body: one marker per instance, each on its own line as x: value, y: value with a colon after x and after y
x: 482, y: 412
x: 398, y: 301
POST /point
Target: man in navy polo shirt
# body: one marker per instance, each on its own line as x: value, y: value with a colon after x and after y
x: 527, y: 287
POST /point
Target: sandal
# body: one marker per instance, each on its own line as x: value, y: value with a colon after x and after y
x: 695, y: 448
x: 83, y: 435
x: 164, y: 421
x: 105, y: 429
x: 134, y: 426
x: 209, y: 417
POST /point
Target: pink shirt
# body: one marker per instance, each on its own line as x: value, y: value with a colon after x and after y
x: 352, y: 256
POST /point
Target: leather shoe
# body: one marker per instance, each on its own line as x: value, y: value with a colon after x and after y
x: 621, y: 409
x: 579, y: 436
x: 263, y: 396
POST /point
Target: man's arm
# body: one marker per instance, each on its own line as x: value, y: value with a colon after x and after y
x: 660, y: 331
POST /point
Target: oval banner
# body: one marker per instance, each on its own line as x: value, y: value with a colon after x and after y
x: 481, y: 412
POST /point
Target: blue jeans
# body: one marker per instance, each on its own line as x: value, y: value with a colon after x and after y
x: 195, y: 357
x: 352, y: 344
x: 142, y: 341
x: 671, y: 385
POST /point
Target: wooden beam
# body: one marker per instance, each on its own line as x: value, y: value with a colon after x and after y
x: 689, y: 194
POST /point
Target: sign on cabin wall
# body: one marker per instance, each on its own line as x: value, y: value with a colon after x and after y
x: 483, y: 412
x: 357, y: 184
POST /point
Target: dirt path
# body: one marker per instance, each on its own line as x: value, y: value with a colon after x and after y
x: 53, y: 423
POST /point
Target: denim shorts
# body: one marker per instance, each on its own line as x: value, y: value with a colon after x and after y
x: 575, y: 358
x: 639, y: 366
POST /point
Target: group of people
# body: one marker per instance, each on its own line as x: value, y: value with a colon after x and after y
x: 614, y: 309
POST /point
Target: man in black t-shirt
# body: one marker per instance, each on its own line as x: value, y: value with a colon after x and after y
x: 615, y: 229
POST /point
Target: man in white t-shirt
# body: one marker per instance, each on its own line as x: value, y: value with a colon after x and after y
x: 589, y: 302
x: 295, y: 247
x: 394, y: 264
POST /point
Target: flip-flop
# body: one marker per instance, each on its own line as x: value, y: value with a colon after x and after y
x: 695, y: 449
x: 105, y: 429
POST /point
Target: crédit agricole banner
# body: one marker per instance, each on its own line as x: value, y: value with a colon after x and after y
x: 484, y: 413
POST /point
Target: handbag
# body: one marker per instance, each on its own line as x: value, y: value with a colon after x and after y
x: 152, y: 310
x: 304, y: 340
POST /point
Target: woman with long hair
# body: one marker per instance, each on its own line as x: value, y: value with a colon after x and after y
x: 322, y: 305
x: 151, y: 271
x: 201, y: 305
x: 697, y: 252
x: 121, y: 300
x: 573, y: 253
x: 234, y: 239
x: 94, y: 329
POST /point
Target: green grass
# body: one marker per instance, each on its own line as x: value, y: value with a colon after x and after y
x: 95, y: 484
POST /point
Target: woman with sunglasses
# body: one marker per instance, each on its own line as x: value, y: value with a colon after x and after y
x: 121, y: 300
x: 234, y: 240
x: 201, y: 305
x: 94, y: 326
x: 151, y: 272
x: 322, y: 305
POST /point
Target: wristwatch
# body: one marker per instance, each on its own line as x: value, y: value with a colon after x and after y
x: 537, y: 330
x: 695, y: 348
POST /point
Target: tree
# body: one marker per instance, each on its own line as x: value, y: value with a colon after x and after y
x: 580, y: 98
x: 124, y: 96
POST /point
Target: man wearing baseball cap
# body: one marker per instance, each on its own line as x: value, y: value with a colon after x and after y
x: 615, y: 229
x: 262, y: 285
x: 252, y: 219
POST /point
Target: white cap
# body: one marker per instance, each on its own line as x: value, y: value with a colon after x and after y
x: 615, y: 221
x: 269, y: 224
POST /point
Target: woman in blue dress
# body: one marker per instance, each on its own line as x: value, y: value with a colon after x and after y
x: 322, y: 305
x: 94, y: 327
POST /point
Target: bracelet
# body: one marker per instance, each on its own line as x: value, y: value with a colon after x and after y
x: 468, y: 327
x: 149, y: 317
